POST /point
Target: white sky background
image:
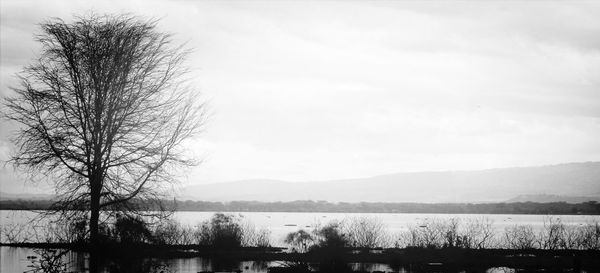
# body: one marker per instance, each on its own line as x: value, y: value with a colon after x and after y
x: 315, y: 90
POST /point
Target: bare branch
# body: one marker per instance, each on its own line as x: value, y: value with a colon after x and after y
x: 104, y: 111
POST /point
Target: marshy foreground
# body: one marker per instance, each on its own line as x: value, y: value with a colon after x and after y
x: 226, y: 243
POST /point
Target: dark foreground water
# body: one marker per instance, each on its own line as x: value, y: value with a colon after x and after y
x: 16, y: 259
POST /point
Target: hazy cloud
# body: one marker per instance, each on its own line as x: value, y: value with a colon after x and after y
x: 321, y: 90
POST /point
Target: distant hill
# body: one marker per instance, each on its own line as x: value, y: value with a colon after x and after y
x: 25, y: 196
x: 581, y: 180
x: 549, y: 198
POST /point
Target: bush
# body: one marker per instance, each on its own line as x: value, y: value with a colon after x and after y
x: 131, y: 230
x: 366, y: 232
x: 435, y: 233
x: 222, y: 231
x: 519, y: 237
x: 553, y: 234
x: 590, y: 236
x: 479, y: 233
x: 170, y: 232
x: 300, y: 240
x: 251, y: 236
x: 331, y: 236
x: 428, y: 233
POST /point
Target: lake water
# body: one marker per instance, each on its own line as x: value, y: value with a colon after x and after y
x: 14, y: 259
x: 279, y: 223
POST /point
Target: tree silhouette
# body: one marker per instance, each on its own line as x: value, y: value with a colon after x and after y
x: 103, y: 111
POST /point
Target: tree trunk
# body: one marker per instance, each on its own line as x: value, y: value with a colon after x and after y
x: 94, y: 219
x: 94, y: 213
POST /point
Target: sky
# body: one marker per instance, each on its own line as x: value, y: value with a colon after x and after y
x: 319, y: 90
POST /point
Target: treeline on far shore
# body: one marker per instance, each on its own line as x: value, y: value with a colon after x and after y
x: 558, y: 208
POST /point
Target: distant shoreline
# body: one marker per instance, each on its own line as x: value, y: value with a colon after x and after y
x: 554, y: 208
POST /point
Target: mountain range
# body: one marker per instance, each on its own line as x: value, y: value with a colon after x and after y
x: 571, y: 182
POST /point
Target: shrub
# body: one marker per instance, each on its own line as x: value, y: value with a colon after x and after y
x: 222, y: 231
x: 519, y: 237
x: 435, y: 233
x: 252, y: 236
x: 479, y: 233
x: 428, y: 233
x: 590, y: 236
x: 366, y: 232
x: 170, y: 232
x: 300, y: 240
x: 131, y: 230
x: 331, y: 236
x: 450, y: 235
x: 553, y: 234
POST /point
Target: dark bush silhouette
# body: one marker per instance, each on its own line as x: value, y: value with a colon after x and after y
x: 331, y: 236
x: 222, y: 231
x: 131, y: 230
x: 300, y: 240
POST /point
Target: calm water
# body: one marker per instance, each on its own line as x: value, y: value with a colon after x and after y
x: 15, y: 259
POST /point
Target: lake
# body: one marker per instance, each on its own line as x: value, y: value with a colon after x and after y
x: 15, y: 260
x: 279, y: 223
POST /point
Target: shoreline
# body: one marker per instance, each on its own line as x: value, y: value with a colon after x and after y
x: 305, y: 206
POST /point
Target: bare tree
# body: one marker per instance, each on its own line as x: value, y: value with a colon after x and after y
x: 103, y: 112
x: 520, y: 237
x: 479, y: 233
x: 367, y: 232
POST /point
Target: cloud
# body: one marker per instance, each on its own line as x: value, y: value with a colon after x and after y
x: 322, y: 90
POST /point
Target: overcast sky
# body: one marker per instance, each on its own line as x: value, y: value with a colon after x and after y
x: 315, y: 90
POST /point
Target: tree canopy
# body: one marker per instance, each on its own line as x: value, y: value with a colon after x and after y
x: 103, y: 112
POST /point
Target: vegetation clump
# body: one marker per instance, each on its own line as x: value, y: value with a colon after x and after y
x: 221, y: 231
x: 300, y: 241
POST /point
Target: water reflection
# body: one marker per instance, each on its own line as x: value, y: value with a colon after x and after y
x: 371, y: 267
x: 48, y: 261
x: 15, y: 259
